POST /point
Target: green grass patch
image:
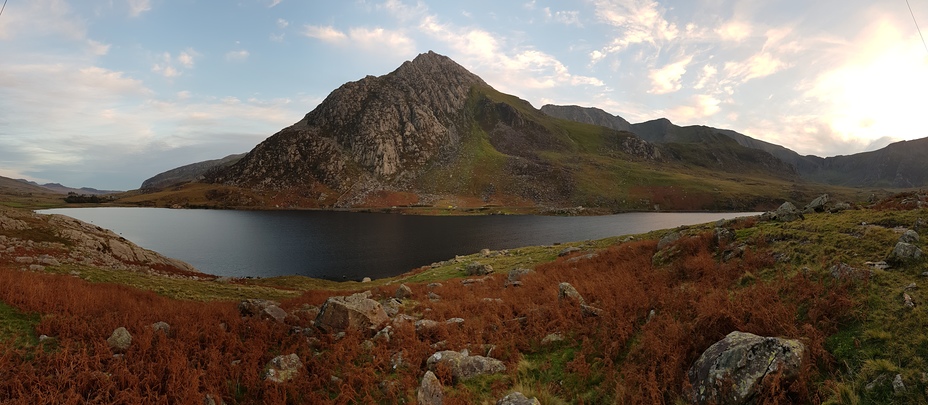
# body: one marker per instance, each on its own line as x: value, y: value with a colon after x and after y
x: 16, y: 328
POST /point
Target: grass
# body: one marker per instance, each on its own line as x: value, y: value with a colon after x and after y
x: 16, y: 328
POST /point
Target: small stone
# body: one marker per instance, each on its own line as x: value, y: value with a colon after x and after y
x: 432, y: 286
x: 911, y: 286
x: 909, y: 236
x: 485, y: 252
x: 161, y: 326
x: 433, y: 297
x: 36, y: 267
x: 567, y: 251
x: 366, y: 280
x: 283, y: 368
x: 477, y: 269
x: 43, y: 338
x: 552, y: 338
x: 907, y: 301
x: 898, y: 385
x: 517, y: 398
x: 455, y: 321
x: 567, y: 293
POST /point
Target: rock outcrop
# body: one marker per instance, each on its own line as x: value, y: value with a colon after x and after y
x: 736, y: 369
x: 356, y: 311
x: 283, y: 368
x: 119, y: 340
x: 430, y: 390
x: 463, y: 366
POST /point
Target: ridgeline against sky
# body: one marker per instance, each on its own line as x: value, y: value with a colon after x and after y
x: 104, y: 94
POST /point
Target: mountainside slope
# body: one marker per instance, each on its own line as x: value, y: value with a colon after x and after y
x: 897, y: 165
x: 188, y: 173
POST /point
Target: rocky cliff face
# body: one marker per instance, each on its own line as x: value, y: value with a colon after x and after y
x: 188, y: 173
x: 378, y: 129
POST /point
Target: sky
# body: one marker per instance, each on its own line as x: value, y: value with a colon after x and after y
x: 107, y: 93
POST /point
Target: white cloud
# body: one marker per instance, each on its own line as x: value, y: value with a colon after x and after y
x: 758, y: 65
x: 42, y: 18
x: 697, y: 108
x: 563, y: 17
x: 172, y: 66
x: 734, y: 31
x: 667, y: 79
x: 370, y: 39
x: 137, y: 7
x: 237, y: 56
x: 186, y: 58
x: 281, y: 23
x: 97, y: 48
x: 326, y: 33
x: 636, y: 22
x: 706, y: 76
x: 272, y: 3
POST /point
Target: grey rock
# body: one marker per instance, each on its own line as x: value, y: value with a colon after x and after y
x: 907, y: 301
x: 273, y: 312
x: 552, y: 338
x: 485, y: 252
x: 517, y: 398
x: 843, y: 270
x: 477, y: 269
x: 283, y: 368
x: 24, y: 260
x: 433, y: 297
x: 161, y: 326
x: 898, y: 385
x: 432, y: 286
x: 426, y: 326
x: 392, y: 307
x: 577, y: 259
x: 255, y: 307
x: 36, y: 267
x: 120, y: 340
x: 734, y: 369
x: 909, y: 236
x: 355, y: 312
x: 841, y: 206
x: 384, y: 335
x: 48, y: 260
x: 667, y: 239
x: 403, y: 292
x: 787, y: 212
x: 568, y: 250
x: 904, y: 253
x: 818, y: 204
x: 514, y: 278
x: 430, y: 390
x: 568, y: 294
x: 463, y: 366
x: 723, y: 237
x: 366, y: 280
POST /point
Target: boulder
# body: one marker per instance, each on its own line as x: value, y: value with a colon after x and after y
x: 477, y: 269
x: 843, y: 270
x: 818, y: 204
x: 403, y: 292
x: 569, y: 250
x: 162, y: 327
x: 734, y: 370
x: 273, y: 312
x: 898, y: 385
x: 904, y: 253
x: 668, y: 238
x: 392, y: 307
x: 723, y: 237
x: 283, y: 368
x: 356, y: 311
x: 464, y: 366
x: 517, y: 398
x: 567, y: 293
x: 48, y: 260
x: 787, y: 212
x: 120, y: 340
x: 552, y: 338
x: 255, y: 307
x: 909, y: 236
x: 514, y: 278
x: 430, y: 390
x: 841, y: 206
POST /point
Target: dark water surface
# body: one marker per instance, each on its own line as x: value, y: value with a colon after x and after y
x: 344, y: 245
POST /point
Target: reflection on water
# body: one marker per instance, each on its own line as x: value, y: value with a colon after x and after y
x: 342, y: 245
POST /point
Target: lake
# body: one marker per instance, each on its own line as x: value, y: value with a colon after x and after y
x: 350, y: 245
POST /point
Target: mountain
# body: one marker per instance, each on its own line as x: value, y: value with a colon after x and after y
x: 10, y: 186
x: 188, y: 173
x: 433, y: 134
x: 62, y: 189
x: 897, y: 165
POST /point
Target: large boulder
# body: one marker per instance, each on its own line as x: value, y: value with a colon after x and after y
x: 818, y: 204
x: 430, y: 390
x: 909, y: 236
x: 517, y: 398
x: 737, y: 368
x: 356, y: 312
x: 464, y: 366
x: 568, y: 294
x: 904, y: 253
x: 787, y: 212
x: 477, y: 269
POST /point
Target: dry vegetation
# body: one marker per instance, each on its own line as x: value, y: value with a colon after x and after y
x: 779, y: 286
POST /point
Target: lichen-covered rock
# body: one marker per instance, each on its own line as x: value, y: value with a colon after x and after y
x: 818, y: 204
x: 517, y: 398
x: 283, y: 368
x: 723, y: 237
x: 904, y: 253
x: 667, y: 239
x: 787, y: 212
x: 161, y: 326
x: 568, y: 250
x: 735, y: 369
x: 844, y: 270
x: 568, y: 294
x: 464, y: 366
x: 430, y: 390
x: 403, y: 292
x: 120, y: 340
x: 477, y: 269
x: 356, y: 312
x: 909, y: 236
x: 514, y: 278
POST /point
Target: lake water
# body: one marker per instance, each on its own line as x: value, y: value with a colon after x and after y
x: 346, y: 245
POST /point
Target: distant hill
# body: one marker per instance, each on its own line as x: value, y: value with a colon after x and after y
x: 898, y: 165
x: 187, y: 173
x: 19, y: 187
x: 61, y: 189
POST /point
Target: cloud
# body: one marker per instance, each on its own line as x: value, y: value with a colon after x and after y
x: 272, y: 3
x: 667, y: 79
x: 636, y: 22
x: 370, y: 39
x: 137, y: 7
x: 563, y: 17
x: 734, y: 31
x: 170, y: 66
x: 281, y: 23
x: 237, y: 56
x: 42, y: 18
x: 707, y: 75
x: 696, y: 109
x: 326, y: 33
x: 97, y: 48
x: 758, y: 65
